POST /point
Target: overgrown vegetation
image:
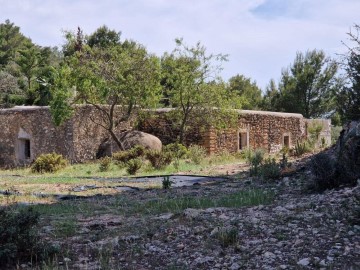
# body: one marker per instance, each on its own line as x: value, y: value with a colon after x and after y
x: 166, y: 182
x: 159, y: 159
x: 196, y: 153
x: 20, y: 240
x: 133, y: 166
x: 104, y: 164
x: 323, y: 168
x: 49, y: 163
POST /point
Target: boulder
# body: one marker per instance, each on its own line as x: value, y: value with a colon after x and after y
x: 348, y: 152
x: 135, y: 137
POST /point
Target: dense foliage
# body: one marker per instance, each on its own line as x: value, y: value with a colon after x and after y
x: 100, y: 68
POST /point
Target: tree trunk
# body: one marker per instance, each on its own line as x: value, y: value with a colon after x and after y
x: 116, y: 139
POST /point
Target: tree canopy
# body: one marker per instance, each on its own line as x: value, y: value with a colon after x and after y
x: 349, y: 97
x: 192, y: 85
x: 247, y: 90
x: 306, y: 86
x: 113, y: 79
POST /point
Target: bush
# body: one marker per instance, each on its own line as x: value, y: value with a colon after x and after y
x: 323, y: 169
x: 166, y: 182
x: 178, y: 150
x: 20, y: 240
x: 105, y: 163
x: 49, y: 163
x: 301, y: 148
x: 270, y: 170
x: 196, y: 153
x: 159, y: 159
x: 125, y: 156
x: 255, y: 159
x: 133, y: 166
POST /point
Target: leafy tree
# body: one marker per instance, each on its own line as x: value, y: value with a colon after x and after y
x: 307, y: 86
x: 11, y: 40
x: 349, y: 96
x: 106, y: 77
x: 249, y: 91
x: 192, y: 86
x: 271, y: 97
x: 10, y: 93
x: 104, y: 37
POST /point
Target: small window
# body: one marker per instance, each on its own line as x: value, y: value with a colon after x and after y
x: 243, y: 140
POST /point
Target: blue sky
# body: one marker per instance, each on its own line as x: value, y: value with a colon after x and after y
x: 260, y: 36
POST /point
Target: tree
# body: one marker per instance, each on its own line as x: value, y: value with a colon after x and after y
x: 192, y: 85
x: 11, y: 40
x: 307, y: 86
x: 113, y: 80
x: 249, y: 91
x: 270, y: 101
x: 349, y: 97
x: 104, y: 37
x: 10, y: 93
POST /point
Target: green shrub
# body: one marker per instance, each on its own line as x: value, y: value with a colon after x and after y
x: 255, y: 160
x: 227, y: 236
x: 105, y: 163
x: 301, y: 148
x: 20, y: 240
x: 196, y: 153
x: 178, y: 150
x: 335, y: 134
x: 133, y: 166
x: 270, y: 170
x: 158, y: 159
x: 125, y: 156
x: 49, y: 163
x: 166, y: 182
x: 323, y: 168
x: 138, y: 150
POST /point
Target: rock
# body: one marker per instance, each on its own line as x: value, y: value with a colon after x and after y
x: 304, y: 262
x: 348, y: 152
x: 234, y: 266
x: 134, y: 137
x: 269, y: 255
x: 191, y: 213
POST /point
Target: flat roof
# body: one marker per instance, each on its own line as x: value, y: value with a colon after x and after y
x: 279, y: 114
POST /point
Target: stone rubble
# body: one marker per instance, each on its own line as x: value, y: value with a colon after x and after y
x: 299, y: 230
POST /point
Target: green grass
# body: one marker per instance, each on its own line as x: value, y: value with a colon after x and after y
x: 163, y: 204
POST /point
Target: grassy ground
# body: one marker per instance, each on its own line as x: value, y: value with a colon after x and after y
x: 22, y: 185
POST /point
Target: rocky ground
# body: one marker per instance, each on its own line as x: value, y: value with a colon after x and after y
x: 298, y: 230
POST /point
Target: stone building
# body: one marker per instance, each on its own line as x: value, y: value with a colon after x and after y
x: 26, y: 132
x: 255, y: 129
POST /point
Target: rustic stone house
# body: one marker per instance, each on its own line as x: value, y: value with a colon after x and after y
x: 255, y: 129
x: 28, y: 131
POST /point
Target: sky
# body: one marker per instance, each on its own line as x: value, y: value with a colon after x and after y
x: 261, y: 37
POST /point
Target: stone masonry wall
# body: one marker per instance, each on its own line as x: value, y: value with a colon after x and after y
x: 264, y: 130
x: 35, y: 124
x: 78, y: 139
x: 87, y: 135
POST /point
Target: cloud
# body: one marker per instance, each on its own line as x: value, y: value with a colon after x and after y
x: 260, y: 36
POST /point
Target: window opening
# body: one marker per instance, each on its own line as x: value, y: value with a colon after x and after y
x: 242, y: 140
x: 287, y: 141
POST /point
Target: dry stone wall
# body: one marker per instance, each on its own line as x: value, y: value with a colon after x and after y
x: 268, y: 130
x: 88, y: 136
x: 33, y: 124
x: 23, y: 127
